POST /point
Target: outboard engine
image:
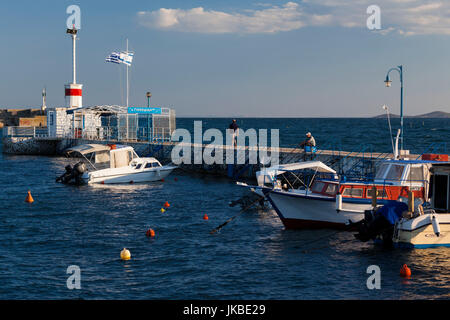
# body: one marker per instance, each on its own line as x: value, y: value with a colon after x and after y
x: 380, y: 222
x: 73, y: 175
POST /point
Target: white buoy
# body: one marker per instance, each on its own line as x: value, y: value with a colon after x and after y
x: 436, y: 227
x: 338, y: 202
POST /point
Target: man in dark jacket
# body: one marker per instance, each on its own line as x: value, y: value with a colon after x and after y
x: 233, y: 126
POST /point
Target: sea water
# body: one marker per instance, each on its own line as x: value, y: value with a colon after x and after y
x: 253, y: 257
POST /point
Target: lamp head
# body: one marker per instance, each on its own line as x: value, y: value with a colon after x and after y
x: 149, y: 94
x: 72, y: 31
x: 387, y: 82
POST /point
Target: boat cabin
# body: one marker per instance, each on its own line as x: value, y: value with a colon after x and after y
x: 145, y: 163
x: 440, y: 187
x: 393, y: 179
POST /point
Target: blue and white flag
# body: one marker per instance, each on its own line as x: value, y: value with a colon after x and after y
x: 122, y: 57
x: 114, y: 58
x: 126, y: 57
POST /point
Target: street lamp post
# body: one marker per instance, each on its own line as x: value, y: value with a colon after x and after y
x: 149, y: 95
x: 388, y: 83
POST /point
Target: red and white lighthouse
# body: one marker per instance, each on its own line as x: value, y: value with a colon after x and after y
x: 73, y: 91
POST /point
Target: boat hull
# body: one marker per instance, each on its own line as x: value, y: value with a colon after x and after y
x: 134, y: 177
x: 309, y: 212
x: 420, y: 232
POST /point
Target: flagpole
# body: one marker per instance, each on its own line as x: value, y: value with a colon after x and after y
x: 127, y: 93
x: 127, y: 75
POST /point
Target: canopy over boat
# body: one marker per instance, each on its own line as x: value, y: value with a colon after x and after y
x: 312, y: 165
x: 88, y: 148
x: 269, y: 174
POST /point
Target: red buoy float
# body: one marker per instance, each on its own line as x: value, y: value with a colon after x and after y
x: 405, y: 272
x: 150, y: 233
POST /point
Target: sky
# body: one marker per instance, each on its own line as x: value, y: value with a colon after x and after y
x: 232, y: 58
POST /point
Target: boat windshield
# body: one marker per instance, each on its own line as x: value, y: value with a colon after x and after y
x: 416, y: 174
x: 317, y: 186
x: 390, y: 172
x: 381, y: 173
x: 395, y: 172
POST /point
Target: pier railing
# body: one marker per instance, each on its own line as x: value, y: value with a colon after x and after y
x: 25, y: 132
x: 101, y: 133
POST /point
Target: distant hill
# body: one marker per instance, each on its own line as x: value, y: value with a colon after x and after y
x: 434, y: 114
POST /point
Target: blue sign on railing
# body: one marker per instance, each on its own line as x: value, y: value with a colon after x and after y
x: 144, y: 110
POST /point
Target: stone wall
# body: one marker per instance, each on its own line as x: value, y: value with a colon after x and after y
x: 29, y: 146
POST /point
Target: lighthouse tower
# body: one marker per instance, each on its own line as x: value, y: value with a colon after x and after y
x: 73, y: 91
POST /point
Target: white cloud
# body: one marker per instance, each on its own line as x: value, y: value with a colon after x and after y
x: 268, y: 20
x: 406, y: 17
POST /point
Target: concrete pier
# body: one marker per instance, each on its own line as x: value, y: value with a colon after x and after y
x: 346, y: 162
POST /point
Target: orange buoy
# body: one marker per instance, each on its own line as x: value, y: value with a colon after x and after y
x: 166, y: 204
x: 405, y: 272
x: 103, y: 182
x: 205, y: 217
x: 150, y: 233
x: 29, y: 198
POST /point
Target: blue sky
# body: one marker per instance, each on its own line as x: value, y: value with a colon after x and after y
x: 232, y: 58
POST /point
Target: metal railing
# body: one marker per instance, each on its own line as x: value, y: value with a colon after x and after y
x: 99, y: 133
x: 25, y: 132
x: 434, y: 148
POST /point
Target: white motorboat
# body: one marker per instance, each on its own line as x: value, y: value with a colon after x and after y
x: 108, y: 164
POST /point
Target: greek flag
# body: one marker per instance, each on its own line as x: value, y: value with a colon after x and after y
x: 120, y: 57
x: 126, y: 58
x: 114, y: 58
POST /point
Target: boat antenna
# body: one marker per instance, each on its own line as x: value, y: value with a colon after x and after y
x: 385, y: 107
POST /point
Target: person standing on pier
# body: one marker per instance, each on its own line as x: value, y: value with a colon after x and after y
x: 235, y: 129
x: 309, y: 145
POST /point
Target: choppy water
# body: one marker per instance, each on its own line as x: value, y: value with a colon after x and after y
x: 253, y: 257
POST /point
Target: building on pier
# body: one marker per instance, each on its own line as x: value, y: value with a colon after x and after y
x: 112, y: 123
